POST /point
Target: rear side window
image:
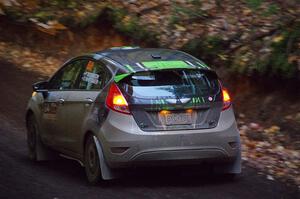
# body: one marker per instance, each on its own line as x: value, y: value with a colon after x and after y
x: 94, y: 76
x: 171, y: 84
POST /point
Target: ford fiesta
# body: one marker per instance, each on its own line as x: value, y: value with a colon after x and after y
x: 127, y: 107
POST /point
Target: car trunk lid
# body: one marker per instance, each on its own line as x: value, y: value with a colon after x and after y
x: 173, y: 99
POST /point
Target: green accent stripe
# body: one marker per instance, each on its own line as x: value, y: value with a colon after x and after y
x: 160, y: 65
x: 130, y: 68
x: 118, y: 78
x: 165, y: 64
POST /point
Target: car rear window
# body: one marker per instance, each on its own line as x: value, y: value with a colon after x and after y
x: 171, y: 84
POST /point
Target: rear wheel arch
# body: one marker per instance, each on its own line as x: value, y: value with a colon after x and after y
x: 85, y: 137
x: 105, y: 171
x: 91, y: 158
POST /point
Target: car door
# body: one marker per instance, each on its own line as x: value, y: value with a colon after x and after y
x: 54, y: 115
x: 91, y: 81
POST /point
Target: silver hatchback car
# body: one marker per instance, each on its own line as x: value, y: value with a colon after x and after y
x: 128, y: 107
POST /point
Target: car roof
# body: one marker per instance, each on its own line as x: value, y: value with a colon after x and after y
x: 135, y: 59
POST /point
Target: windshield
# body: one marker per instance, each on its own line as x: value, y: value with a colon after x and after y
x: 171, y: 84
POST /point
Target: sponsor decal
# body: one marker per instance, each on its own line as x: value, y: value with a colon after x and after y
x: 166, y: 104
x: 90, y: 77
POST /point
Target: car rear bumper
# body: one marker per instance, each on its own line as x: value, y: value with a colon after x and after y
x: 124, y: 144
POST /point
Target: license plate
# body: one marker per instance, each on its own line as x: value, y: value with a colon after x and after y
x: 178, y: 118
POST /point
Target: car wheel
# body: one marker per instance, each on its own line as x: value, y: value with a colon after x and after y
x: 32, y: 138
x: 91, y: 161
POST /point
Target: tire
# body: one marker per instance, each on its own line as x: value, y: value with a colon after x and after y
x: 91, y: 161
x: 32, y: 138
x: 37, y: 151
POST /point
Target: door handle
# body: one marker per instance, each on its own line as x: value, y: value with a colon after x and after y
x: 88, y: 101
x: 61, y: 101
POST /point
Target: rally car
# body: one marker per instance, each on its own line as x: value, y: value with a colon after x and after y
x: 129, y: 107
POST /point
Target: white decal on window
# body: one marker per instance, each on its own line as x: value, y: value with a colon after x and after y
x: 90, y: 77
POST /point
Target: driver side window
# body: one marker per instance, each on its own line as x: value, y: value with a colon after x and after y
x: 65, y: 79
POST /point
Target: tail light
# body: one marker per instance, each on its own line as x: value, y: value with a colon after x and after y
x: 226, y: 99
x: 116, y: 101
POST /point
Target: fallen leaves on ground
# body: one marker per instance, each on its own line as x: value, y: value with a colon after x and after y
x: 261, y: 149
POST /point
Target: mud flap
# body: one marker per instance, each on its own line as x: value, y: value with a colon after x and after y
x: 106, y: 172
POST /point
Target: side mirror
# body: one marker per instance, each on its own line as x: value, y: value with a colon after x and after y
x: 41, y: 87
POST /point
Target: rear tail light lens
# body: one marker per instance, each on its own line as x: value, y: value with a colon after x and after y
x: 226, y: 99
x: 116, y: 101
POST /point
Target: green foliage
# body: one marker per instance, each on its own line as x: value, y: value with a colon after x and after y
x: 14, y: 14
x: 129, y: 25
x: 254, y: 4
x: 208, y: 49
x: 68, y: 20
x: 47, y: 7
x: 192, y: 12
x: 280, y: 61
x: 44, y: 16
x: 272, y: 10
x: 174, y: 19
x: 89, y: 19
x: 63, y: 3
